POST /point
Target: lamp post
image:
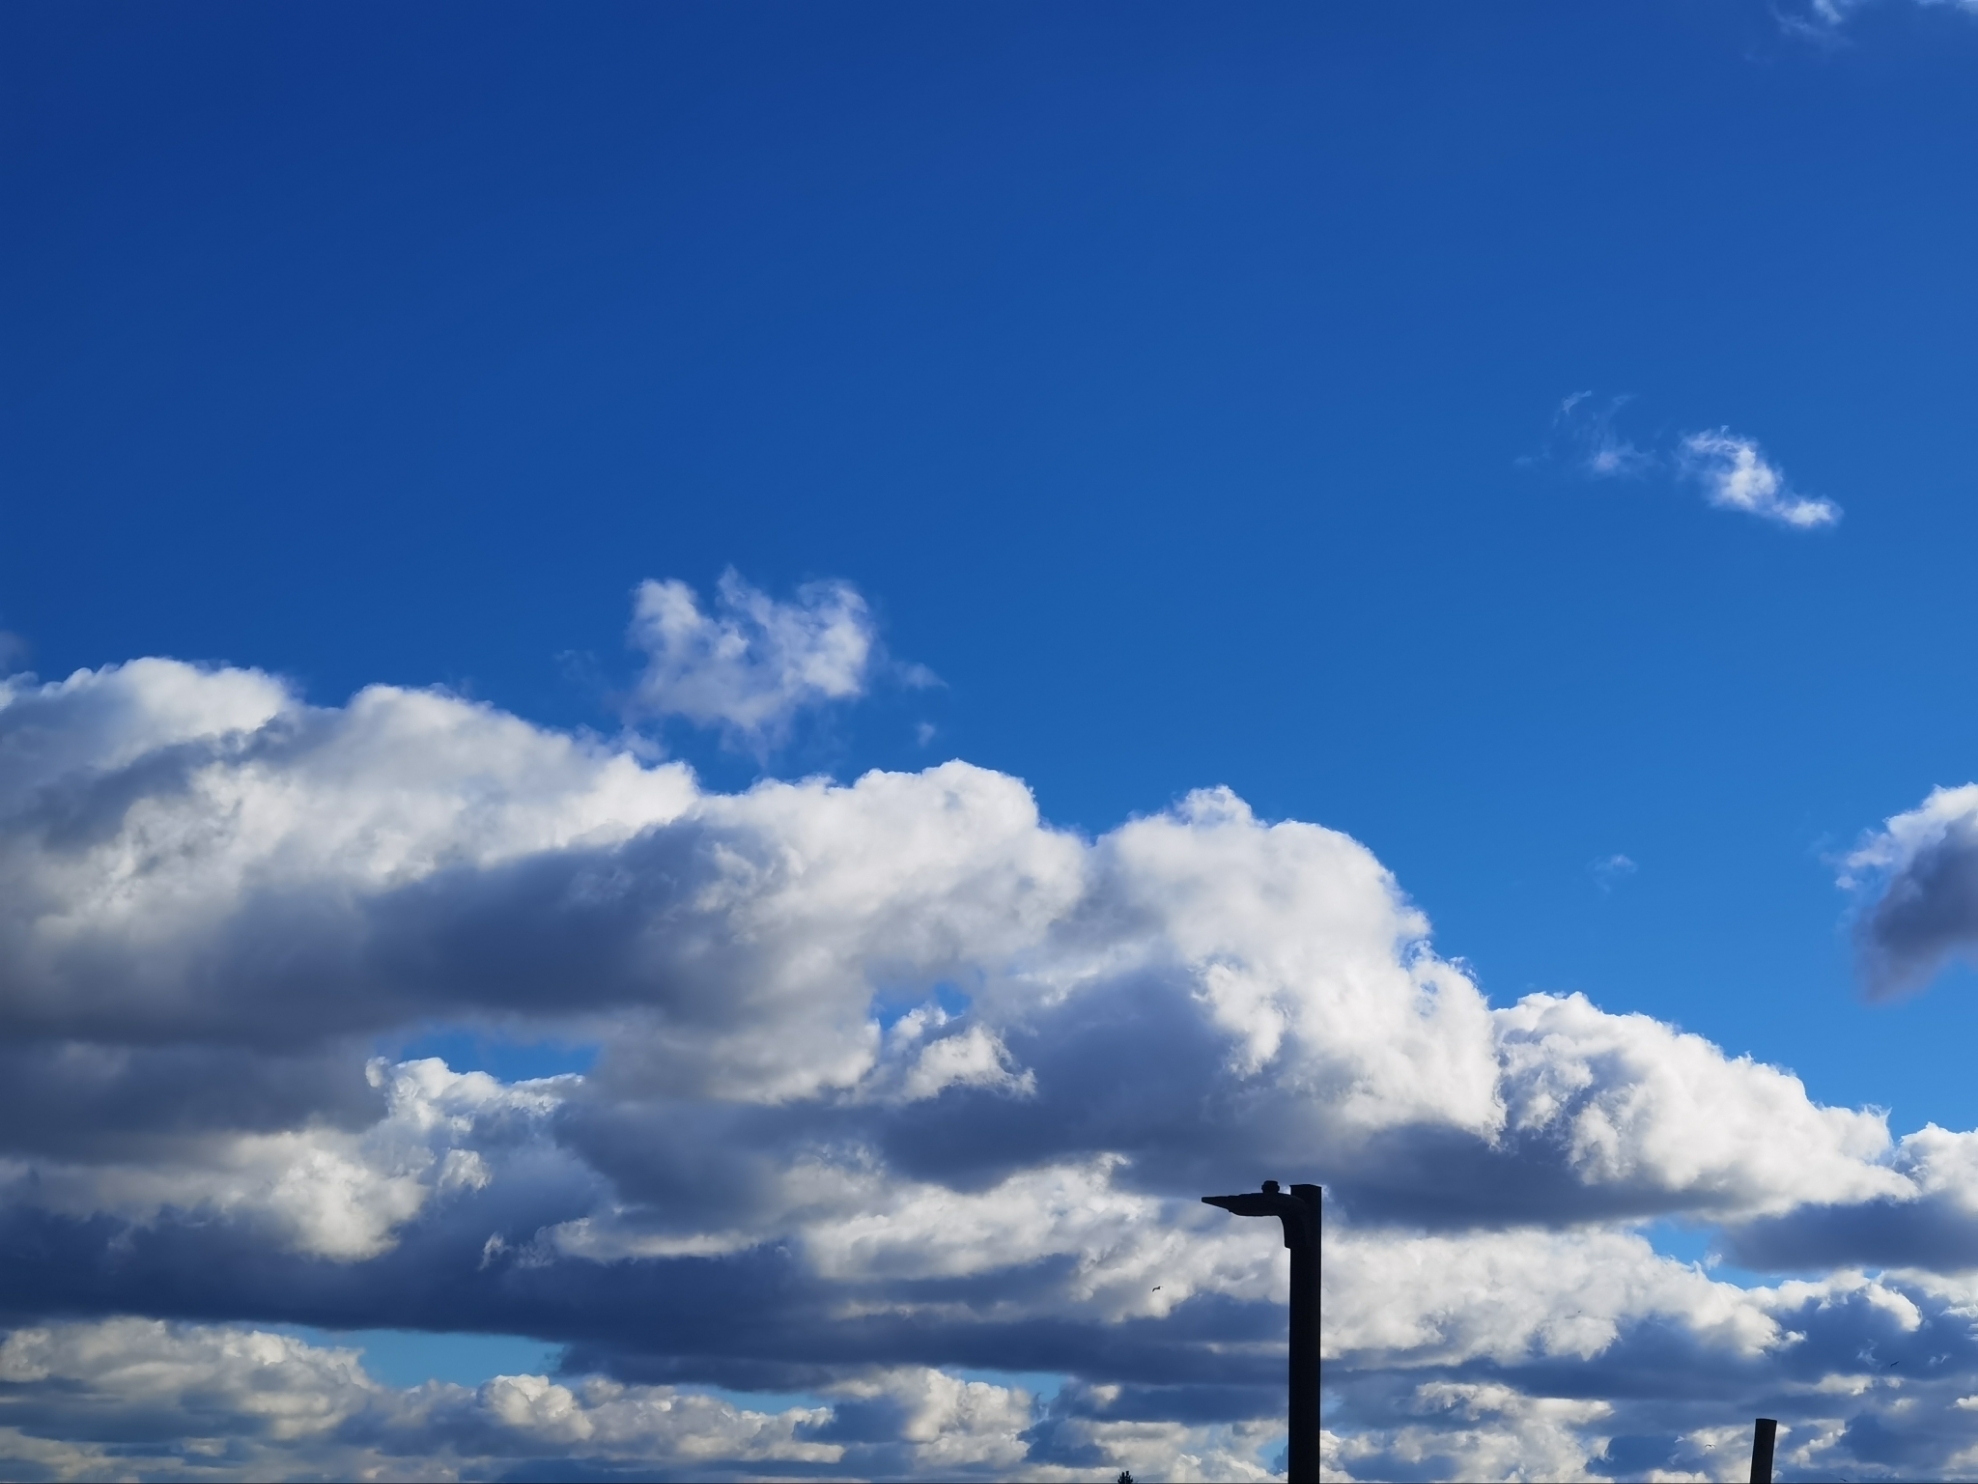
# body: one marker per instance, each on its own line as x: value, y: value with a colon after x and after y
x: 1764, y: 1434
x: 1299, y: 1211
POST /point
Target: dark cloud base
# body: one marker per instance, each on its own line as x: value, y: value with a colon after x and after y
x: 753, y: 1321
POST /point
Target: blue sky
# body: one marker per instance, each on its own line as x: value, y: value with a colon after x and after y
x: 1186, y: 396
x: 1165, y: 383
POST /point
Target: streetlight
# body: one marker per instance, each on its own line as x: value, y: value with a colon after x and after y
x: 1299, y: 1211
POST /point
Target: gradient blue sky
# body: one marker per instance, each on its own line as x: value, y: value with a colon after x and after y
x: 1181, y: 384
x: 1163, y: 376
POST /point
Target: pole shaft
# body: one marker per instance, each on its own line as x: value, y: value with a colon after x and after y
x: 1763, y: 1435
x: 1303, y: 1409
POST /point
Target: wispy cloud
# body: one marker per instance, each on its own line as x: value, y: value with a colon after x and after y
x: 1736, y: 475
x: 1731, y: 469
x: 1820, y: 20
x: 1610, y: 869
x: 1583, y: 430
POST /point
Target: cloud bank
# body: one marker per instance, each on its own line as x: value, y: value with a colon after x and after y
x: 901, y: 1095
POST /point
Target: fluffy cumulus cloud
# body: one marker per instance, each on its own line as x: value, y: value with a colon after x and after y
x: 901, y: 1103
x: 754, y: 663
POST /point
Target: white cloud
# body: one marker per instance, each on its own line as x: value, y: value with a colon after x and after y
x: 316, y: 1190
x: 1487, y: 1431
x: 754, y: 663
x: 1919, y: 874
x: 952, y: 1423
x: 1522, y: 1294
x: 1732, y: 469
x: 1736, y: 475
x: 216, y: 1401
x: 1632, y: 1102
x: 894, y: 1078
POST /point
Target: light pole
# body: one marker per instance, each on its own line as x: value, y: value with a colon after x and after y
x: 1764, y: 1434
x: 1299, y: 1211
